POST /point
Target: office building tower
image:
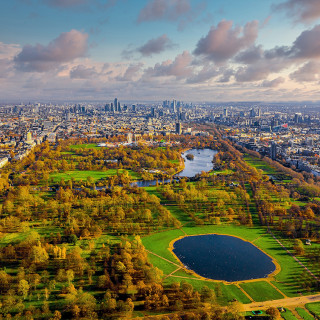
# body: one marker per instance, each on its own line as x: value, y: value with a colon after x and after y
x: 225, y: 112
x: 178, y: 128
x: 273, y: 151
x: 252, y: 113
x: 174, y: 106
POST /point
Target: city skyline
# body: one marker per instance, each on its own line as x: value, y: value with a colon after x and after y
x: 149, y: 50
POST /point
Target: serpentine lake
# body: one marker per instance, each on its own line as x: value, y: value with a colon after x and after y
x: 222, y: 257
x: 202, y: 161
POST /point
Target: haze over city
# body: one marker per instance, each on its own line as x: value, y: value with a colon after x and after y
x: 191, y: 50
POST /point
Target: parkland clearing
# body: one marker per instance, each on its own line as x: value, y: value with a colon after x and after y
x: 79, y: 240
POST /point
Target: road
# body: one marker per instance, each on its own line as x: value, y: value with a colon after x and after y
x: 287, y: 302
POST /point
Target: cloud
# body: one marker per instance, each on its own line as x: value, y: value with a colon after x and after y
x: 260, y: 70
x: 224, y: 42
x: 164, y: 10
x: 249, y: 56
x: 5, y: 67
x: 307, y: 45
x: 83, y: 72
x: 226, y: 75
x: 8, y: 50
x: 132, y: 72
x: 272, y: 83
x: 206, y: 73
x: 151, y: 47
x: 156, y: 45
x: 258, y: 64
x: 302, y: 10
x: 310, y: 71
x: 180, y: 67
x: 39, y: 58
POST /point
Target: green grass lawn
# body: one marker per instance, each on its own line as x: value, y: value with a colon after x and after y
x: 222, y: 172
x: 159, y: 244
x: 13, y: 238
x: 314, y: 308
x: 259, y: 164
x: 303, y: 313
x: 261, y: 291
x: 224, y: 295
x: 78, y: 175
x: 85, y: 146
x: 288, y: 315
x: 96, y: 175
x: 285, y: 280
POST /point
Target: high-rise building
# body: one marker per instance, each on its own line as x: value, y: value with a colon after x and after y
x: 273, y: 151
x: 259, y: 112
x: 298, y: 118
x: 225, y: 112
x: 174, y: 106
x: 178, y: 128
x: 115, y: 104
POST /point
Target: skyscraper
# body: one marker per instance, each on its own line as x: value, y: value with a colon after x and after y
x: 273, y: 150
x: 178, y: 128
x: 115, y: 104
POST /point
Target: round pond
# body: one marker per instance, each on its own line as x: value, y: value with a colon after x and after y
x: 221, y: 257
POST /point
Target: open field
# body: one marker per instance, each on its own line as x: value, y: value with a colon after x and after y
x: 261, y: 291
x: 85, y: 146
x: 96, y: 175
x: 314, y: 308
x: 304, y: 314
x: 285, y: 281
x: 267, y: 169
x: 288, y: 315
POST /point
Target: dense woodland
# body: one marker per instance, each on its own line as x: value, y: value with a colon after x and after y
x: 71, y: 251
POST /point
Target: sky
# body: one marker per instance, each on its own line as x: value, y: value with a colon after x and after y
x: 153, y: 50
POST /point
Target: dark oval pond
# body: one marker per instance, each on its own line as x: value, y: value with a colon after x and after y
x: 221, y: 257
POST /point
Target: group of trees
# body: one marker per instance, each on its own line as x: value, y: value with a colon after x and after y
x: 72, y: 251
x: 210, y: 200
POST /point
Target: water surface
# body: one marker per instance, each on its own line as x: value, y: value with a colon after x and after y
x: 202, y: 161
x: 221, y: 257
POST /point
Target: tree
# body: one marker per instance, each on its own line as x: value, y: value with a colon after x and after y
x: 5, y: 280
x: 298, y: 247
x: 274, y: 313
x: 38, y: 254
x: 23, y: 288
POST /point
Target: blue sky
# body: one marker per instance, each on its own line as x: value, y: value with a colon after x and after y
x: 220, y: 50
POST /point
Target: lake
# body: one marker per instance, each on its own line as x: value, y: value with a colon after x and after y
x: 221, y: 257
x: 202, y: 161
